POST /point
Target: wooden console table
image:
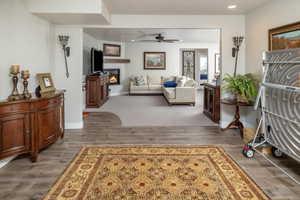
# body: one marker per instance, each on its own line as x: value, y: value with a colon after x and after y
x: 237, y: 123
x: 27, y: 126
x: 211, y: 106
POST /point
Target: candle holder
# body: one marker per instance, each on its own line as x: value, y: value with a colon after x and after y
x: 15, y: 93
x: 25, y: 76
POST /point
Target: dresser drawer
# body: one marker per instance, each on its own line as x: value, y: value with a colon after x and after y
x: 14, y: 108
x: 49, y: 102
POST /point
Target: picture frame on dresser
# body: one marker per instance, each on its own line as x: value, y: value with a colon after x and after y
x: 46, y: 84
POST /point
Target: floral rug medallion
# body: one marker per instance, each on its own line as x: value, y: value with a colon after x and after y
x: 154, y: 173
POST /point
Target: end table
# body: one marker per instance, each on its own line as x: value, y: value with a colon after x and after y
x: 237, y: 123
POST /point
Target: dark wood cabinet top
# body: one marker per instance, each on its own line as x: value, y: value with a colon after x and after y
x: 116, y: 60
x: 211, y: 84
x: 33, y: 99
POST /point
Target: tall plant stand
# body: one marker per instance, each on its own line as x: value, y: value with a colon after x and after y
x: 236, y: 123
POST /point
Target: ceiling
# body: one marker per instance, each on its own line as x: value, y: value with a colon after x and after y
x: 127, y: 35
x: 182, y: 7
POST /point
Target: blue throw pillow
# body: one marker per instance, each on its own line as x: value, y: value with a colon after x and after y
x: 203, y: 77
x: 169, y: 84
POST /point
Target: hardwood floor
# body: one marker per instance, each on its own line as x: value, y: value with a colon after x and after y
x: 23, y: 180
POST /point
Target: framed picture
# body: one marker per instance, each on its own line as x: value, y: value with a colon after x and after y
x: 112, y: 50
x: 188, y: 64
x: 46, y: 83
x: 155, y: 60
x: 217, y: 63
x: 285, y: 37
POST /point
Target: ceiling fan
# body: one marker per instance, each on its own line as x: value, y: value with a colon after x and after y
x: 159, y: 38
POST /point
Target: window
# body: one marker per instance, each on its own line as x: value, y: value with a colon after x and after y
x: 203, y: 67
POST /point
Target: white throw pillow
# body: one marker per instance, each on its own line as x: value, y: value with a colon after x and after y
x: 140, y: 80
x: 132, y: 79
x: 190, y: 83
x: 180, y: 80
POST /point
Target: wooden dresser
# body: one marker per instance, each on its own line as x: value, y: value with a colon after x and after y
x: 28, y: 126
x: 212, y: 101
x: 97, y: 90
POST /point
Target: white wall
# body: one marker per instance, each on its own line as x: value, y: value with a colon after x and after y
x: 258, y: 22
x: 31, y: 42
x: 65, y: 6
x: 25, y: 40
x: 73, y: 85
x: 135, y: 52
x: 230, y: 25
x: 116, y: 89
x: 89, y: 42
x: 66, y: 12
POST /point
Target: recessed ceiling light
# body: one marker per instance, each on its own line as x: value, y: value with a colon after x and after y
x: 232, y: 6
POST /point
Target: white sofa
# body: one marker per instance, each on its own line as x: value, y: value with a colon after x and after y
x: 180, y: 95
x: 152, y: 85
x: 184, y: 93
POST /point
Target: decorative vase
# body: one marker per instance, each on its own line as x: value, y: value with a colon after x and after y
x: 242, y: 99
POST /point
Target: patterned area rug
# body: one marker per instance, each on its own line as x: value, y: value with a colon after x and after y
x: 152, y: 173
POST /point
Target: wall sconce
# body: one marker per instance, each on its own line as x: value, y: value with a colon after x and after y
x: 64, y: 40
x: 237, y: 42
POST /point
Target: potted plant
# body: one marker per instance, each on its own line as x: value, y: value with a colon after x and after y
x: 244, y: 87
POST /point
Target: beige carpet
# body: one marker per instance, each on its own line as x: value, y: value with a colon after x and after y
x: 154, y: 111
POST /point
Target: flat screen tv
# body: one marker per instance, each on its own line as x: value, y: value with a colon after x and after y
x: 96, y: 61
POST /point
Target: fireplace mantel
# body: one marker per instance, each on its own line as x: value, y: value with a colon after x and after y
x: 116, y: 60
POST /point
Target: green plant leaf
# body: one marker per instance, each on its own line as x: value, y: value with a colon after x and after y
x: 244, y: 85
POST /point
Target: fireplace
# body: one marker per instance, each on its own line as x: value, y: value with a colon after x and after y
x: 114, y: 76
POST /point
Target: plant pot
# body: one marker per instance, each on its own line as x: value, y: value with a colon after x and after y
x: 242, y: 99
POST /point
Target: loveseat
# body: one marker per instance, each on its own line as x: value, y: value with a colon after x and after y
x: 183, y: 93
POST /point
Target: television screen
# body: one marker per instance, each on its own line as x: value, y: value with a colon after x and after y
x: 97, y: 61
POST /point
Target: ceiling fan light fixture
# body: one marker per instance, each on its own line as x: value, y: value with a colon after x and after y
x: 233, y: 6
x: 159, y: 38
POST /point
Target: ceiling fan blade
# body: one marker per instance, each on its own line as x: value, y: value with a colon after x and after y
x: 154, y: 34
x: 147, y: 41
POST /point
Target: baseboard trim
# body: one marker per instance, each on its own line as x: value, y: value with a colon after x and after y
x: 6, y: 161
x: 118, y: 94
x: 78, y: 125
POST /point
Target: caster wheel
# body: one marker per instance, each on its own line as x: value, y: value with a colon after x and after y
x: 249, y: 153
x: 277, y: 153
